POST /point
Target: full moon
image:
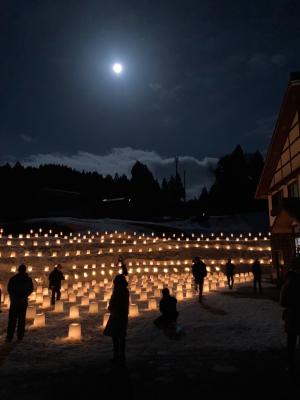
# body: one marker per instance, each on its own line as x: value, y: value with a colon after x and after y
x: 117, y: 68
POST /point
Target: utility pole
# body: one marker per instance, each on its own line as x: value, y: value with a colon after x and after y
x: 176, y: 166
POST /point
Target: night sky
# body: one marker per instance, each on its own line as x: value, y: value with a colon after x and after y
x: 199, y: 76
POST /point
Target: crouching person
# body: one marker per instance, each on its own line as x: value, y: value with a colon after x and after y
x: 167, y: 306
x: 117, y: 323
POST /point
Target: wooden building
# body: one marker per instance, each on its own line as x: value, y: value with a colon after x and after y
x: 280, y: 181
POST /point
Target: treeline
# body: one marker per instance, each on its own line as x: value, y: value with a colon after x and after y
x: 236, y: 178
x: 57, y: 190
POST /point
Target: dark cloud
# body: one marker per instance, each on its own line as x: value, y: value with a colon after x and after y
x: 26, y: 138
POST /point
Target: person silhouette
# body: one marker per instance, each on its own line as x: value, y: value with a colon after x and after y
x: 19, y: 287
x: 199, y: 272
x: 290, y: 300
x: 229, y: 269
x: 55, y: 278
x: 168, y: 309
x: 116, y: 326
x: 256, y: 270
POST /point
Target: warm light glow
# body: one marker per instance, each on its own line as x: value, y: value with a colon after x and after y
x: 74, y: 331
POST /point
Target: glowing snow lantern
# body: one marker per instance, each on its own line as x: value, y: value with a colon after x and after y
x: 179, y: 295
x: 74, y: 312
x: 59, y: 306
x: 31, y: 312
x: 133, y: 310
x: 46, y: 302
x: 39, y: 320
x: 93, y: 308
x: 143, y: 296
x: 85, y: 301
x: 39, y: 298
x: 152, y: 304
x: 74, y: 331
x: 72, y: 298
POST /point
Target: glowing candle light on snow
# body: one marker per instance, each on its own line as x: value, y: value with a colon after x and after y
x: 74, y: 331
x: 74, y: 312
x: 39, y: 320
x: 30, y: 312
x: 93, y: 308
x: 59, y: 306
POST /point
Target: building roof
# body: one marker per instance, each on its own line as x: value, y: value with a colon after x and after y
x: 289, y: 106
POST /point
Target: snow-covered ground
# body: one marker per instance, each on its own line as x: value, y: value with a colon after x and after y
x: 223, y: 323
x: 243, y: 223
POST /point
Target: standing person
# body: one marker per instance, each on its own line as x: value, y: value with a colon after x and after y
x: 199, y: 272
x: 229, y: 269
x: 117, y: 323
x: 290, y: 300
x: 256, y: 270
x: 167, y: 307
x: 55, y: 278
x: 123, y: 266
x: 19, y: 287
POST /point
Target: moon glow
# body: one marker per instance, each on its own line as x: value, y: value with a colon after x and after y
x: 117, y: 68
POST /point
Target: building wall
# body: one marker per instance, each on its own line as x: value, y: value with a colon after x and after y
x: 290, y: 156
x: 288, y: 164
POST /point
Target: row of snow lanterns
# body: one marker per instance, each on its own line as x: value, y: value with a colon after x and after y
x: 141, y: 250
x: 9, y: 241
x: 125, y: 234
x: 93, y: 287
x: 167, y: 267
x: 78, y: 253
x: 35, y: 243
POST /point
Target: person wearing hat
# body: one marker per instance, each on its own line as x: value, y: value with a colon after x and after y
x: 19, y: 287
x: 117, y: 323
x: 199, y: 272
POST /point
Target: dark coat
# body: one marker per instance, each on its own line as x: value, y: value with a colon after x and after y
x: 118, y: 319
x: 229, y: 268
x: 290, y: 300
x: 167, y: 307
x: 256, y: 269
x: 19, y: 287
x: 55, y: 278
x: 199, y: 271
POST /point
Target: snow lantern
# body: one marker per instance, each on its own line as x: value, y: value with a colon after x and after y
x: 133, y: 310
x: 74, y: 312
x: 74, y: 331
x: 39, y: 320
x: 93, y: 308
x: 152, y: 304
x: 59, y: 306
x: 30, y: 312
